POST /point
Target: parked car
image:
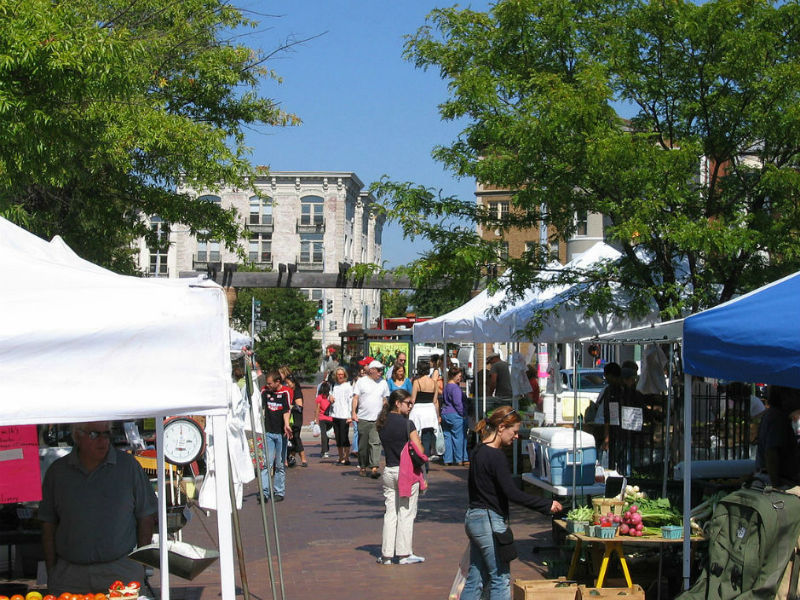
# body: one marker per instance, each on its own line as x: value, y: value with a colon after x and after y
x: 590, y: 384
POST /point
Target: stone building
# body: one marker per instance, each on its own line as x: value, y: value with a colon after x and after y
x: 313, y: 219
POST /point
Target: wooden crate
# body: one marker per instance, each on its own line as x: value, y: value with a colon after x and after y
x: 617, y: 593
x: 544, y: 589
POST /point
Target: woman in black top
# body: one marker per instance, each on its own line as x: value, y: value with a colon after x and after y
x: 490, y: 490
x: 395, y: 429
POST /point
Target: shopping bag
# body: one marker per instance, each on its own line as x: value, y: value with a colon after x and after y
x: 461, y: 576
x: 439, y: 442
x: 315, y: 430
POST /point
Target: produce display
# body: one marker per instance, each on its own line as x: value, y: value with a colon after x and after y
x: 581, y: 513
x: 642, y: 516
x: 117, y: 591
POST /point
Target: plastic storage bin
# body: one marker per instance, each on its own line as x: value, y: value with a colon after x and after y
x: 553, y: 458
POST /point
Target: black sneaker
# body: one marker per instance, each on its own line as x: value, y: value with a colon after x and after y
x: 278, y: 498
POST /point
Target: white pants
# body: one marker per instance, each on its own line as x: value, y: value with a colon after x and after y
x: 398, y: 521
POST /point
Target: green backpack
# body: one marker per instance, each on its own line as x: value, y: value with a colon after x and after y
x: 753, y: 547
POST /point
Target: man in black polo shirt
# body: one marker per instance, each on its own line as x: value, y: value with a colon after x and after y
x: 276, y: 401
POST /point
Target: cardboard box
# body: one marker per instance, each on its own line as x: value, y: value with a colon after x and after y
x: 617, y: 593
x: 544, y: 589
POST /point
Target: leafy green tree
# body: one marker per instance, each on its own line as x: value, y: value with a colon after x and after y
x: 395, y: 303
x: 110, y: 108
x: 699, y: 188
x: 288, y: 335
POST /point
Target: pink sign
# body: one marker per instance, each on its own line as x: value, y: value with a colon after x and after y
x: 20, y: 479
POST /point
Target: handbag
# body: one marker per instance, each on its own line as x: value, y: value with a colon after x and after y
x: 328, y: 412
x: 504, y: 545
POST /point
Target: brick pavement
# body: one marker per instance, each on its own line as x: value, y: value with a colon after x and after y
x: 330, y: 533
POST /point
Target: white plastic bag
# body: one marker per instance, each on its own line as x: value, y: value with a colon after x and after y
x: 329, y: 433
x: 439, y: 442
x: 315, y: 430
x: 461, y: 576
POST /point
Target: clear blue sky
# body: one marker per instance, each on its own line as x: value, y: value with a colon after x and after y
x: 364, y: 108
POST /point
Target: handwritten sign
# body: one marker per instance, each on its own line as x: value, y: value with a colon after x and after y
x: 632, y: 418
x: 20, y: 479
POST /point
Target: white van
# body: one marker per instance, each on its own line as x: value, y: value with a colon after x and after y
x: 466, y: 360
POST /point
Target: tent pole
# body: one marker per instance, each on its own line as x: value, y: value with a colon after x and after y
x: 485, y: 374
x: 575, y: 380
x: 261, y: 459
x: 227, y: 580
x: 667, y: 440
x: 687, y: 476
x: 162, y: 509
x: 237, y: 535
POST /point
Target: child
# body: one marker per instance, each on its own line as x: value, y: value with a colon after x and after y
x: 325, y: 421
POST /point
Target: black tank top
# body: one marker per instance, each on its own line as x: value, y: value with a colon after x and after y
x: 424, y: 397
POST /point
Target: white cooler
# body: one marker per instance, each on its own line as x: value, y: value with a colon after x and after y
x: 553, y: 459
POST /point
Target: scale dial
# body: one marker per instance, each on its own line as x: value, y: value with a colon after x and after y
x: 184, y: 440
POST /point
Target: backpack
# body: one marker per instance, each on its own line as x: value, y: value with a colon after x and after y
x: 752, y: 547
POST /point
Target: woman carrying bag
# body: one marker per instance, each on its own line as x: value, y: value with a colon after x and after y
x: 401, y: 479
x: 490, y: 490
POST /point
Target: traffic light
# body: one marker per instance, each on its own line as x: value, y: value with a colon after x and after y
x: 330, y: 307
x: 320, y: 310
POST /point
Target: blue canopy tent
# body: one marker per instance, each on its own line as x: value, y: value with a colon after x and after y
x: 755, y: 338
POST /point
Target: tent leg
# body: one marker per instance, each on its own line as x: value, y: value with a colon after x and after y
x: 162, y: 509
x: 237, y: 533
x: 227, y: 580
x: 687, y: 476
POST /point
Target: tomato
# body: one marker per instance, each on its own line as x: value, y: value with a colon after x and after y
x: 65, y: 596
x: 134, y: 585
x: 49, y: 597
x: 3, y: 597
x: 115, y: 594
x: 97, y: 597
x: 17, y: 597
x: 117, y: 585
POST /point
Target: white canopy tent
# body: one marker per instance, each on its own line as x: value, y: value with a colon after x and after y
x: 473, y: 322
x: 80, y: 343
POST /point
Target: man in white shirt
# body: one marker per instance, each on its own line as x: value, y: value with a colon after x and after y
x: 369, y: 395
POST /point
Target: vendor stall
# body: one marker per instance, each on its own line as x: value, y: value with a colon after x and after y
x: 80, y: 343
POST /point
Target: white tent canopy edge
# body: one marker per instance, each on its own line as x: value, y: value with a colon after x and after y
x: 80, y: 343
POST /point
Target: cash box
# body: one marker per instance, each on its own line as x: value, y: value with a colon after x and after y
x: 553, y: 456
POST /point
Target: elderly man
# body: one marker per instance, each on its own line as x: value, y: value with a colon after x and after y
x: 97, y: 505
x: 369, y: 394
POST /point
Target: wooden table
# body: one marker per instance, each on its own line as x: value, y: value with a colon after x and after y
x: 611, y: 546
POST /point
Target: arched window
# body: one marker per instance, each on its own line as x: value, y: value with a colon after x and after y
x: 210, y: 198
x: 311, y: 210
x: 260, y: 210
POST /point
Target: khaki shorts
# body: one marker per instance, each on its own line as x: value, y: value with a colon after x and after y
x: 93, y: 578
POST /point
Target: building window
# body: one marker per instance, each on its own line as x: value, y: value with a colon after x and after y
x: 261, y: 247
x: 311, y: 210
x: 311, y: 248
x: 211, y: 198
x: 497, y: 208
x: 260, y: 210
x: 158, y: 248
x: 314, y: 295
x: 207, y: 250
x: 581, y: 223
x: 365, y: 224
x: 502, y: 251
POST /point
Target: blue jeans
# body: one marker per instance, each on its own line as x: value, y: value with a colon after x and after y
x: 454, y: 427
x: 485, y: 568
x: 275, y: 460
x: 354, y: 447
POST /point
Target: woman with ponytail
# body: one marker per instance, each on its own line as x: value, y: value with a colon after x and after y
x: 400, y: 486
x: 490, y: 490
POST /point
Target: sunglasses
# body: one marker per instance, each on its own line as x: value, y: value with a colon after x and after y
x: 93, y: 435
